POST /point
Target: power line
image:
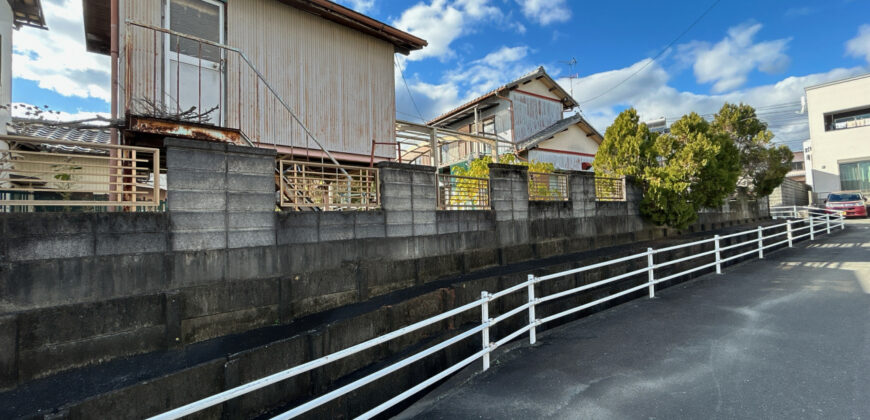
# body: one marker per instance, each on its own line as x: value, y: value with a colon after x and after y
x: 674, y: 41
x: 401, y: 73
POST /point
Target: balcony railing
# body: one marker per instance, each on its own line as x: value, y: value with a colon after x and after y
x: 37, y: 172
x: 212, y: 87
x: 609, y: 188
x: 311, y: 185
x: 462, y: 193
x: 548, y: 187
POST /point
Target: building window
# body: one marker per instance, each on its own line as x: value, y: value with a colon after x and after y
x: 489, y: 126
x: 855, y: 176
x: 797, y: 166
x: 847, y: 119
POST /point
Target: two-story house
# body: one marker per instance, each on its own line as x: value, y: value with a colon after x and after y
x: 528, y: 115
x: 839, y: 119
x: 306, y: 77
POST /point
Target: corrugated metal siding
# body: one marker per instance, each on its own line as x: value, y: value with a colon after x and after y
x: 339, y: 81
x: 533, y: 114
x: 144, y: 79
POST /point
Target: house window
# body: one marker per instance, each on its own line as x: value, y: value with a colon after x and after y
x: 488, y: 126
x: 201, y: 19
x: 847, y: 119
x: 855, y: 176
x: 797, y: 166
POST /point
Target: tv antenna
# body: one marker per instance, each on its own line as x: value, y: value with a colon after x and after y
x: 572, y: 64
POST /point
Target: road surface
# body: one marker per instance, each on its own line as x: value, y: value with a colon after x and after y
x: 787, y: 337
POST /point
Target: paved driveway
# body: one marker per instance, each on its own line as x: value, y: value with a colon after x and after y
x: 787, y: 337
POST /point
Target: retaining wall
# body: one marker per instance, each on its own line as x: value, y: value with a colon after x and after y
x: 79, y: 289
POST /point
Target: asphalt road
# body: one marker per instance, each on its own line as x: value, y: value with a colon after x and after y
x: 783, y: 338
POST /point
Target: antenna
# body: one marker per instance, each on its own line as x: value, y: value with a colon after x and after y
x: 572, y: 63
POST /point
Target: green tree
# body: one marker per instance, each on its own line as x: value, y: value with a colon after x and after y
x: 626, y: 146
x: 763, y: 165
x: 691, y: 167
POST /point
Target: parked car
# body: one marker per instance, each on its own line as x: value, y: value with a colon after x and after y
x: 847, y: 203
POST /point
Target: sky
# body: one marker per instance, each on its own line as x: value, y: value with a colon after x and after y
x: 657, y: 57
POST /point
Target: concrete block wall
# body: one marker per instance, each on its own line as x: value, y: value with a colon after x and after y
x: 509, y: 189
x: 219, y: 195
x: 408, y: 195
x: 221, y: 261
x: 791, y: 193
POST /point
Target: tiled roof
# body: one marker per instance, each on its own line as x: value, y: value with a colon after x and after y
x: 37, y: 128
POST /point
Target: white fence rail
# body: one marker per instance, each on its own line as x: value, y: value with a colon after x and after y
x: 816, y: 222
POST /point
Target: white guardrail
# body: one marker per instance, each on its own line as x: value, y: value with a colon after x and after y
x: 811, y: 222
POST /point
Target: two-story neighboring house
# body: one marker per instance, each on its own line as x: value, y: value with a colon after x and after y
x: 306, y: 77
x: 528, y: 115
x: 838, y: 152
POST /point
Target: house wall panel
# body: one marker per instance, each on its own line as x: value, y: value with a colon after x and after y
x: 533, y: 114
x: 572, y: 140
x: 338, y: 81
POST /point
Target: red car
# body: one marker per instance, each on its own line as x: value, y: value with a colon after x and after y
x: 847, y: 203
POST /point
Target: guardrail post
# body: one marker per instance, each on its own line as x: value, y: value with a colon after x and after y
x: 812, y: 227
x: 650, y: 266
x: 828, y: 222
x: 484, y: 319
x: 760, y: 243
x: 794, y: 212
x: 788, y: 226
x: 532, y: 320
x: 718, y: 255
x: 842, y: 222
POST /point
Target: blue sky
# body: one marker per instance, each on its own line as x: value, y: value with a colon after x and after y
x: 759, y: 52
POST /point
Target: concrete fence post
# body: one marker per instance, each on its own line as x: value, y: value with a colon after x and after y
x: 220, y: 195
x: 718, y: 255
x: 788, y: 229
x: 409, y: 199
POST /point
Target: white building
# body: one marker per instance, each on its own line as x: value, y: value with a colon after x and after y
x: 13, y: 15
x: 838, y: 152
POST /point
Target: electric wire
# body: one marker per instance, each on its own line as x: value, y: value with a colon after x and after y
x: 671, y: 44
x: 402, y: 73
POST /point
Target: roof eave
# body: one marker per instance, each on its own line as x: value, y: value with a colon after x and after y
x: 97, y: 36
x: 26, y: 13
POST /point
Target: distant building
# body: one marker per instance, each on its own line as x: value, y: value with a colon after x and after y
x: 658, y: 126
x: 798, y: 168
x: 13, y: 15
x: 527, y: 115
x: 838, y: 152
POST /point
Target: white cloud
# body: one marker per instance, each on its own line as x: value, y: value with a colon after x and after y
x: 546, y: 11
x: 25, y: 110
x: 728, y: 63
x: 650, y: 93
x: 441, y: 22
x: 362, y: 6
x: 859, y: 46
x: 57, y: 58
